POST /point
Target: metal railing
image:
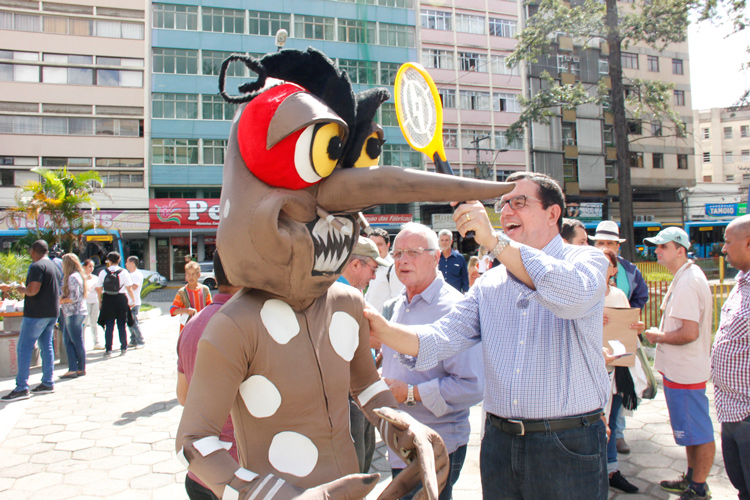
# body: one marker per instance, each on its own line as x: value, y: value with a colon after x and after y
x: 651, y: 312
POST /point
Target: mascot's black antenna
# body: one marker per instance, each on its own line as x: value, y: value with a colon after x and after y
x: 248, y: 89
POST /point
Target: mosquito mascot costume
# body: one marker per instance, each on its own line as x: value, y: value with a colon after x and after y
x: 284, y: 353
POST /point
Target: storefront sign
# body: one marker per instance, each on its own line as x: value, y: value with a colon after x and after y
x: 99, y: 237
x: 584, y: 211
x: 443, y: 221
x: 387, y: 219
x: 184, y: 213
x: 119, y: 220
x: 721, y: 209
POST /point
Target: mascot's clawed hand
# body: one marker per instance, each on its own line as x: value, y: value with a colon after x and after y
x: 421, y: 448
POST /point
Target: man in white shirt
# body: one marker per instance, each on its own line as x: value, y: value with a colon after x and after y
x: 386, y: 285
x: 134, y: 302
x: 114, y: 307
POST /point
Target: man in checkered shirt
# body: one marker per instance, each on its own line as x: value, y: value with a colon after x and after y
x: 730, y: 361
x: 538, y: 318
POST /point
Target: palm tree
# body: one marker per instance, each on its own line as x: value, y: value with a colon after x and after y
x: 56, y: 202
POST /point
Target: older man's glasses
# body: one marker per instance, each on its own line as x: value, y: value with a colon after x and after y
x: 412, y: 253
x: 516, y: 203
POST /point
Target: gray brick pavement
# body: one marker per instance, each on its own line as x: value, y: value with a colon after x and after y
x: 111, y: 434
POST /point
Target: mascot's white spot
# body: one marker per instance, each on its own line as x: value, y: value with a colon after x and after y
x: 245, y: 474
x: 226, y: 209
x: 293, y: 453
x: 280, y: 320
x: 182, y: 459
x: 344, y: 335
x: 230, y: 493
x: 261, y: 397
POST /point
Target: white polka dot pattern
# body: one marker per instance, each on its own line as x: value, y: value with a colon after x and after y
x: 293, y: 453
x: 344, y: 335
x: 261, y: 396
x: 280, y: 320
x: 226, y: 209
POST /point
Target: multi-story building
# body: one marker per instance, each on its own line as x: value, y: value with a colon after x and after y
x: 577, y: 146
x: 72, y: 76
x: 722, y: 145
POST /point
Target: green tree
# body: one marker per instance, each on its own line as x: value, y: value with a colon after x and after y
x: 656, y: 23
x: 60, y: 197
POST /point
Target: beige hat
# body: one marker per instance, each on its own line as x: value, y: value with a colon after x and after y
x: 367, y: 248
x: 607, y: 230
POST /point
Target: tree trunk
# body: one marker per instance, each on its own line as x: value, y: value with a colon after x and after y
x: 621, y: 134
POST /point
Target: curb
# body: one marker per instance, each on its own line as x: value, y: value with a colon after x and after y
x: 151, y: 314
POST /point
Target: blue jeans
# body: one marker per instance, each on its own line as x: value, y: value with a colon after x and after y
x: 456, y: 459
x: 33, y: 331
x: 136, y: 337
x: 614, y: 419
x: 735, y: 447
x: 565, y: 465
x: 73, y: 335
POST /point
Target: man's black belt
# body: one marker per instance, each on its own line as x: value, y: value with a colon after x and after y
x: 521, y: 427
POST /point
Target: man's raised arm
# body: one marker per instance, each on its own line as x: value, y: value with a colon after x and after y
x: 393, y: 335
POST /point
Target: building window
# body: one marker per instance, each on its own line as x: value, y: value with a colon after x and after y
x: 744, y: 132
x: 223, y: 20
x: 436, y: 20
x: 175, y: 17
x: 362, y: 72
x: 401, y: 155
x: 679, y: 97
x: 745, y: 178
x: 682, y: 162
x: 119, y: 163
x: 636, y: 159
x: 53, y: 125
x: 313, y: 27
x: 437, y: 59
x: 216, y: 108
x: 121, y: 179
x: 570, y: 170
x: 656, y: 129
x: 470, y: 99
x: 470, y: 139
x: 706, y: 133
x: 501, y: 142
x: 629, y: 60
x: 728, y: 157
x: 729, y: 178
x: 450, y: 137
x: 707, y: 157
x: 677, y: 68
x: 174, y: 151
x: 268, y: 23
x: 213, y: 151
x: 175, y: 61
x: 396, y: 35
x: 470, y: 24
x: 657, y: 160
x: 448, y: 98
x: 745, y: 155
x: 354, y: 31
x: 603, y: 66
x: 499, y: 67
x: 388, y: 73
x: 116, y: 29
x: 502, y: 101
x: 653, y: 63
x: 174, y: 106
x: 115, y: 78
x: 471, y: 61
x: 72, y: 163
x: 727, y: 132
x: 388, y: 117
x: 635, y: 127
x: 681, y: 129
x: 211, y: 61
x: 608, y: 135
x: 502, y: 27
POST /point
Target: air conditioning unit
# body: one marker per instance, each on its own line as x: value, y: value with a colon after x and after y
x: 576, y: 59
x: 569, y: 141
x: 644, y: 218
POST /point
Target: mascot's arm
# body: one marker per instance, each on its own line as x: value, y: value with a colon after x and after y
x: 219, y: 371
x: 416, y: 443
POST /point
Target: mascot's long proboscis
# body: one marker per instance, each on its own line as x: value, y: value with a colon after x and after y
x: 283, y: 355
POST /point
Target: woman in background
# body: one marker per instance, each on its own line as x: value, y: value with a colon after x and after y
x: 73, y: 304
x: 92, y: 303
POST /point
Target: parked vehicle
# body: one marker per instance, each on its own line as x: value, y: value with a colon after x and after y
x: 153, y: 277
x: 207, y: 276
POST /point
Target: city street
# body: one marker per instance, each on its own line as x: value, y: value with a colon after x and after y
x: 111, y: 434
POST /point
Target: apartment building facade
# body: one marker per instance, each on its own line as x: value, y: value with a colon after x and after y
x: 722, y: 145
x: 72, y: 78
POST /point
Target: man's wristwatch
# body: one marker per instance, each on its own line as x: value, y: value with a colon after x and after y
x: 410, y: 401
x: 502, y: 242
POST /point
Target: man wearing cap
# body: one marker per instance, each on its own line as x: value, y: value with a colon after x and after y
x: 630, y: 280
x: 683, y: 347
x: 358, y: 272
x: 386, y: 285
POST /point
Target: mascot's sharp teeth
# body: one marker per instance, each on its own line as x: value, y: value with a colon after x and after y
x: 331, y: 243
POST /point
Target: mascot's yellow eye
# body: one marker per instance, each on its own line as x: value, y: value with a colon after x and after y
x: 318, y: 150
x: 371, y: 150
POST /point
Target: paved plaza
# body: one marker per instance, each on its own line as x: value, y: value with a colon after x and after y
x: 111, y: 434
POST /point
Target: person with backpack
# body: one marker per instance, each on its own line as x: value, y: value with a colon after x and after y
x: 114, y: 283
x: 191, y: 298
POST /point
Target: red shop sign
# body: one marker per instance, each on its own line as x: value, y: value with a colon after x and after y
x: 183, y: 213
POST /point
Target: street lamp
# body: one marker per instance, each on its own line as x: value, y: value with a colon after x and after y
x: 281, y: 37
x: 682, y: 194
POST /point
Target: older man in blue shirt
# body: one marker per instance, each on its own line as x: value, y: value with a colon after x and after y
x: 452, y: 263
x: 441, y: 396
x: 538, y: 317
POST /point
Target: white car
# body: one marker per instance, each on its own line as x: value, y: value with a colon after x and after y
x: 207, y: 276
x: 153, y: 277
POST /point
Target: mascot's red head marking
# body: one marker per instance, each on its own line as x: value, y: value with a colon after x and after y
x: 304, y: 138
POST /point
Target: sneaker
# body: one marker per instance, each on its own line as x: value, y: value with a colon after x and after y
x: 43, y: 388
x: 16, y: 395
x: 107, y: 354
x: 690, y: 494
x: 676, y: 486
x: 98, y: 347
x: 622, y: 446
x: 140, y: 345
x: 618, y: 481
x: 132, y: 344
x: 123, y: 352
